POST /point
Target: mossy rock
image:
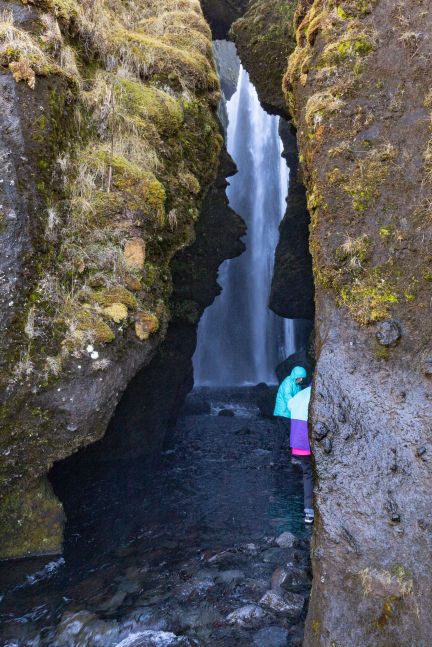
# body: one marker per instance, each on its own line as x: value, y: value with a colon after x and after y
x: 92, y: 326
x: 31, y: 521
x: 146, y: 323
x: 109, y: 296
x: 117, y: 312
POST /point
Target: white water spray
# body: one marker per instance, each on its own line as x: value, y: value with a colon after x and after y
x: 240, y: 341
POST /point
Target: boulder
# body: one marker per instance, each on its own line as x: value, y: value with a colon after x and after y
x: 248, y: 616
x: 286, y: 540
x: 287, y: 604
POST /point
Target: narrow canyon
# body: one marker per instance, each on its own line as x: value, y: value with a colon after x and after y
x: 195, y: 197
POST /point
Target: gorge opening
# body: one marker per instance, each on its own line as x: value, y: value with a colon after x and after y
x: 240, y: 340
x: 181, y: 545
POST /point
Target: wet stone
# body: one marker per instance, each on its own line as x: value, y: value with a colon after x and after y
x: 181, y: 551
x: 279, y: 577
x: 286, y: 540
x: 228, y: 413
x: 320, y: 431
x: 427, y: 367
x: 287, y: 604
x: 421, y: 451
x: 271, y: 637
x: 273, y: 556
x: 153, y: 639
x: 229, y: 577
x: 248, y: 616
x: 200, y: 616
x: 327, y: 445
x: 149, y: 617
x: 130, y: 586
x: 84, y: 628
x: 295, y: 579
x: 195, y: 588
x: 388, y: 333
x: 114, y: 602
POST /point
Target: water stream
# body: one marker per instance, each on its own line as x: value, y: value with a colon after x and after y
x: 240, y: 341
x: 160, y: 554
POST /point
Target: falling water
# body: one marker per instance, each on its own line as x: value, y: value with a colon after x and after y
x: 240, y: 341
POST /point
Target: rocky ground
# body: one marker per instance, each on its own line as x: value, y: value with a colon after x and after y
x: 205, y: 547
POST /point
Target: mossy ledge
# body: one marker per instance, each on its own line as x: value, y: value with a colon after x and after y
x: 116, y: 142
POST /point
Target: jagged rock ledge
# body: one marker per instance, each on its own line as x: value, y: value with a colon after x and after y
x: 111, y: 142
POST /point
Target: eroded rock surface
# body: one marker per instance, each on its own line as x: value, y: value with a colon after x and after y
x: 357, y: 86
x: 110, y: 142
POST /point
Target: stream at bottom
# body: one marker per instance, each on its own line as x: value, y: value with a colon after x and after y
x: 204, y: 547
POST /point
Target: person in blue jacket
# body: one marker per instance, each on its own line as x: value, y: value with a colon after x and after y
x: 290, y: 386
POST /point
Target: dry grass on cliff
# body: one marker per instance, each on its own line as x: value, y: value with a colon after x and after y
x: 145, y: 143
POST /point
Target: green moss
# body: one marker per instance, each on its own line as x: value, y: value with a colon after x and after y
x: 367, y: 176
x: 109, y: 296
x: 140, y: 104
x: 385, y: 232
x: 348, y: 50
x: 354, y: 251
x: 381, y: 352
x: 321, y: 104
x: 342, y: 14
x: 31, y: 521
x: 92, y: 327
x: 427, y: 274
x: 369, y: 298
x: 357, y: 8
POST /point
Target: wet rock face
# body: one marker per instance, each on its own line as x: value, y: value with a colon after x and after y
x: 292, y: 290
x: 102, y: 185
x: 264, y: 37
x: 363, y: 117
x: 357, y: 88
x: 220, y: 14
x: 373, y: 499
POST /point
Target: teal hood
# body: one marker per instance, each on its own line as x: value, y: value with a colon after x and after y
x: 287, y: 390
x: 298, y: 371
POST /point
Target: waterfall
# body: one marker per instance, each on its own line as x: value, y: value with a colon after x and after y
x: 240, y: 341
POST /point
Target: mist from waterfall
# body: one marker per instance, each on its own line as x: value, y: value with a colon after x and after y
x: 240, y: 340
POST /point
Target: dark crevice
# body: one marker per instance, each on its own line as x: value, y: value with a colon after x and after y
x: 292, y: 293
x: 221, y: 15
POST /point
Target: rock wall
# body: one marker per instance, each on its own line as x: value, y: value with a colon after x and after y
x: 150, y: 404
x: 264, y: 37
x: 110, y: 142
x: 358, y: 88
x: 292, y: 290
x: 222, y: 13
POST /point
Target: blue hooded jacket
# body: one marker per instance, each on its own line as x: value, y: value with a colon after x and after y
x: 287, y: 390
